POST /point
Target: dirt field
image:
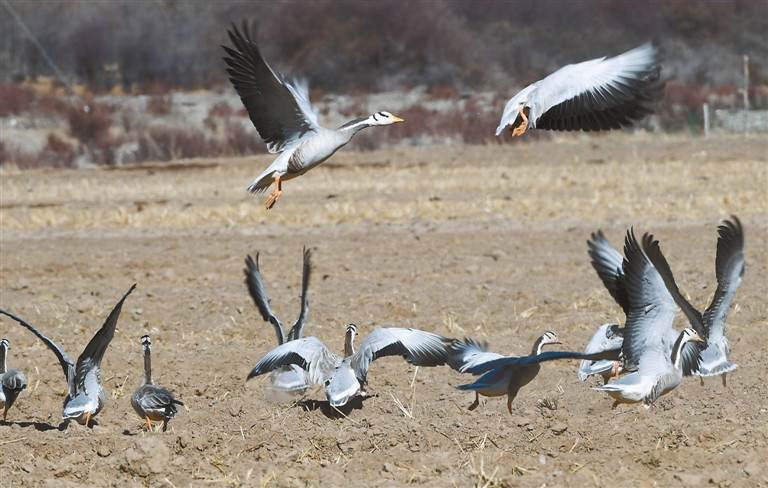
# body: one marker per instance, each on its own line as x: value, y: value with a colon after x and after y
x: 487, y: 242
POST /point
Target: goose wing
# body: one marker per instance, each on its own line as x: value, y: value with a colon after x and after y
x: 89, y: 362
x: 465, y: 355
x: 600, y: 94
x: 67, y: 365
x: 297, y: 330
x: 729, y: 268
x: 418, y: 347
x: 308, y: 353
x: 538, y: 358
x: 259, y: 296
x: 279, y: 109
x: 652, y: 311
x: 157, y: 398
x: 608, y: 337
x: 609, y: 265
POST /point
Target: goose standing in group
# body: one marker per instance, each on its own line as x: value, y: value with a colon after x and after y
x: 291, y: 379
x: 281, y: 112
x: 152, y: 402
x: 85, y: 395
x: 12, y: 381
x: 729, y: 270
x: 345, y: 377
x: 601, y: 94
x: 656, y: 364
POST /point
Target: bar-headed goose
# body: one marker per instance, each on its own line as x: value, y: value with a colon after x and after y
x: 12, y: 381
x: 656, y: 364
x: 729, y: 270
x: 152, y: 402
x: 85, y: 395
x: 281, y: 112
x: 466, y: 356
x: 345, y: 377
x: 289, y: 380
x: 601, y: 94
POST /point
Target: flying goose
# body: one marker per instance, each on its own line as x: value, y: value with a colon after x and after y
x: 153, y: 402
x: 290, y: 379
x: 656, y: 364
x: 85, y: 395
x: 12, y: 381
x: 345, y: 377
x: 280, y: 110
x: 601, y: 94
x: 729, y: 269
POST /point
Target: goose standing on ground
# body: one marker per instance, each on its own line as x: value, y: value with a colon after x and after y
x: 85, y: 395
x: 601, y: 94
x: 345, y: 378
x: 12, y: 381
x: 153, y: 402
x: 288, y: 380
x: 729, y: 269
x: 656, y: 364
x: 281, y: 112
x: 465, y: 356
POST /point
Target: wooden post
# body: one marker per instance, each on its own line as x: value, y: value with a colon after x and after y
x: 746, y: 94
x: 705, y: 109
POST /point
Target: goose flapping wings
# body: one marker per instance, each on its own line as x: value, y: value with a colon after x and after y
x: 85, y: 395
x: 281, y: 112
x: 345, y: 377
x: 600, y: 94
x: 656, y: 363
x: 729, y: 270
x: 289, y: 380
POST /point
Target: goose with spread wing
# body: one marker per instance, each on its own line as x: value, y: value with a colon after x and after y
x: 656, y: 363
x: 346, y: 377
x: 729, y: 270
x: 12, y: 381
x: 281, y: 112
x: 152, y: 402
x: 289, y: 380
x: 600, y: 94
x: 85, y: 395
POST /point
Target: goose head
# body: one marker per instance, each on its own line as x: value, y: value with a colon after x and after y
x: 383, y: 118
x: 548, y: 337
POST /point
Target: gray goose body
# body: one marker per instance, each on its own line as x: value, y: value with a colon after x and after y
x: 152, y: 402
x: 346, y: 377
x: 656, y: 364
x: 729, y: 271
x: 289, y: 380
x: 85, y: 396
x: 281, y: 112
x: 600, y: 94
x: 12, y: 381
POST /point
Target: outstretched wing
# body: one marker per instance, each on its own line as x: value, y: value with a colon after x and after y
x: 308, y: 353
x: 259, y: 296
x: 609, y: 264
x: 297, y: 330
x: 465, y: 355
x: 279, y: 109
x: 729, y: 268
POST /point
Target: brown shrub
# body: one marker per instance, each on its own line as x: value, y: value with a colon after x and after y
x: 160, y: 104
x: 15, y: 99
x: 89, y: 123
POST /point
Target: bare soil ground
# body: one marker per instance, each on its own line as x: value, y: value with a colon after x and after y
x: 487, y: 242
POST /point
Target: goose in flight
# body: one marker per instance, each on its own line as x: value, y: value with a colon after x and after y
x: 291, y: 379
x: 153, y: 402
x: 601, y: 94
x: 85, y: 395
x: 280, y: 110
x: 656, y: 364
x: 12, y: 381
x: 345, y: 377
x: 729, y: 270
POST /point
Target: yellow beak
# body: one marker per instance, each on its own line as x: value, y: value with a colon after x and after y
x: 395, y: 118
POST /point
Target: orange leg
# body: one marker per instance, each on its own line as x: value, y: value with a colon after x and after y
x: 615, y: 404
x: 615, y: 370
x: 509, y: 405
x: 275, y: 193
x: 476, y: 402
x: 149, y: 423
x: 520, y: 129
x: 87, y: 418
x: 701, y: 380
x: 724, y: 384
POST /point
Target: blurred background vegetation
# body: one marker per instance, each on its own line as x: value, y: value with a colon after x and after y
x: 450, y: 50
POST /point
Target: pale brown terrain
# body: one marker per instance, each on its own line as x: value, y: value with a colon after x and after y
x: 480, y: 241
